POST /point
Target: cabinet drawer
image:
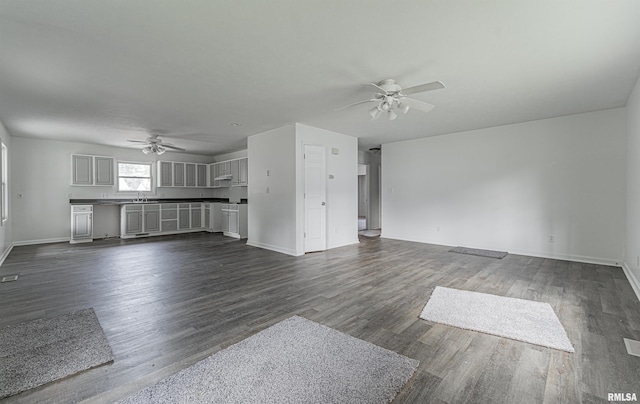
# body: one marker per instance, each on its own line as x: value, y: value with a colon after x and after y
x: 184, y: 206
x: 196, y: 205
x: 169, y: 214
x: 169, y: 206
x: 169, y: 225
x: 133, y: 208
x: 151, y: 207
x: 224, y: 206
x: 83, y: 208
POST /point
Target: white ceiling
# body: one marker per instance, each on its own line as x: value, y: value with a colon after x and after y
x: 103, y: 72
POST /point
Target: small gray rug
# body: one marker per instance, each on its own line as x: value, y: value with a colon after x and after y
x: 293, y: 361
x: 37, y: 352
x: 522, y: 320
x: 480, y: 253
x: 370, y: 233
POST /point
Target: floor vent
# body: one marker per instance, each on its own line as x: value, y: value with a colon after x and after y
x: 633, y: 347
x: 10, y: 278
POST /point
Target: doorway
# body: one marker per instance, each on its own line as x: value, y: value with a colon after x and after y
x: 363, y: 197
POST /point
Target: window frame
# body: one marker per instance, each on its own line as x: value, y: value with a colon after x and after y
x: 128, y: 192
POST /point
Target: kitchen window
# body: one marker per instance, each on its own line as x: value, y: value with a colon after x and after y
x: 134, y: 177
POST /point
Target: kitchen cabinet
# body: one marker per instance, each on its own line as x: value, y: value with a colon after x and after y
x: 239, y: 172
x: 165, y: 174
x: 234, y: 220
x: 196, y: 216
x: 201, y: 175
x: 103, y: 171
x: 151, y: 218
x: 81, y: 224
x: 92, y: 170
x: 184, y: 216
x: 141, y: 220
x: 190, y: 174
x: 131, y: 223
x: 178, y: 174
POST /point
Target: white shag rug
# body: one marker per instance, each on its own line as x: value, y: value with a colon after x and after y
x: 293, y: 361
x: 522, y: 320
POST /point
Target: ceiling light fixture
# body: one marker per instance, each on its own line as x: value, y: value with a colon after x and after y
x: 153, y: 148
x: 390, y: 105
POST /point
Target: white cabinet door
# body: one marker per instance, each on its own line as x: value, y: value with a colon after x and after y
x: 133, y: 221
x: 81, y: 223
x: 178, y: 174
x: 225, y: 221
x: 103, y: 170
x: 165, y: 174
x: 81, y: 169
x: 183, y: 219
x: 201, y: 175
x: 243, y: 175
x: 235, y: 172
x: 233, y: 221
x: 151, y: 218
x: 196, y: 218
x: 190, y: 171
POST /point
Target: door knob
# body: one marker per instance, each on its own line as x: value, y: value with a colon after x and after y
x: 323, y: 203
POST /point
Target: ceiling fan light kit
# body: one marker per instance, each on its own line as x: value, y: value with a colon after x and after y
x: 155, y: 145
x: 391, y: 98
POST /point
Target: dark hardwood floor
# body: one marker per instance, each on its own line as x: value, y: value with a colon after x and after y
x: 167, y: 302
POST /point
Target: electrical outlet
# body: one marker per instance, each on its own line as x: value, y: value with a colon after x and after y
x: 551, y: 239
x: 638, y: 260
x: 268, y: 173
x: 268, y: 189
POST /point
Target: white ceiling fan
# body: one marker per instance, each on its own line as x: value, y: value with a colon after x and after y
x: 155, y: 145
x: 392, y: 97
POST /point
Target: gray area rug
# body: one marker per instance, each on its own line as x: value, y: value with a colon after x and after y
x: 293, y: 361
x: 522, y: 320
x: 37, y: 352
x: 480, y: 253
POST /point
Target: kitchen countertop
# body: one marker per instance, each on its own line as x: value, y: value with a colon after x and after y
x: 129, y: 201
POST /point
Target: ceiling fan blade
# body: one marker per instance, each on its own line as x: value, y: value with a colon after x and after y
x: 382, y: 90
x: 137, y: 141
x: 419, y: 105
x: 434, y: 85
x: 172, y: 147
x: 356, y: 103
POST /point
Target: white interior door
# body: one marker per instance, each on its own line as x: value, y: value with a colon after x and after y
x: 315, y: 210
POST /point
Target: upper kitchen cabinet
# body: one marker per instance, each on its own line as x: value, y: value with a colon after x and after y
x: 92, y: 170
x: 202, y: 175
x: 179, y: 174
x: 239, y: 172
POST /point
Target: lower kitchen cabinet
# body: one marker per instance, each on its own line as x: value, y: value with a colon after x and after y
x: 234, y: 220
x: 139, y: 220
x: 81, y: 224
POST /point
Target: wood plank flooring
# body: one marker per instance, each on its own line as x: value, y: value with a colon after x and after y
x: 167, y: 302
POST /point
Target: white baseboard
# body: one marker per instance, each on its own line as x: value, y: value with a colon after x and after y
x: 538, y: 254
x: 273, y: 248
x: 42, y: 241
x: 5, y: 254
x: 635, y: 284
x: 345, y: 244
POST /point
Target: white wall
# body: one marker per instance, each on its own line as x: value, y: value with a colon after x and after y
x: 342, y: 189
x: 632, y: 250
x: 276, y: 218
x: 512, y: 187
x: 41, y: 174
x: 6, y: 238
x: 272, y: 197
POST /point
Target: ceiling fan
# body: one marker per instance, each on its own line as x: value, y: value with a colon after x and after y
x: 392, y: 97
x: 155, y: 145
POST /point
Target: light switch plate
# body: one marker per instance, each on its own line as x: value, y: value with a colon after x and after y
x: 633, y: 346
